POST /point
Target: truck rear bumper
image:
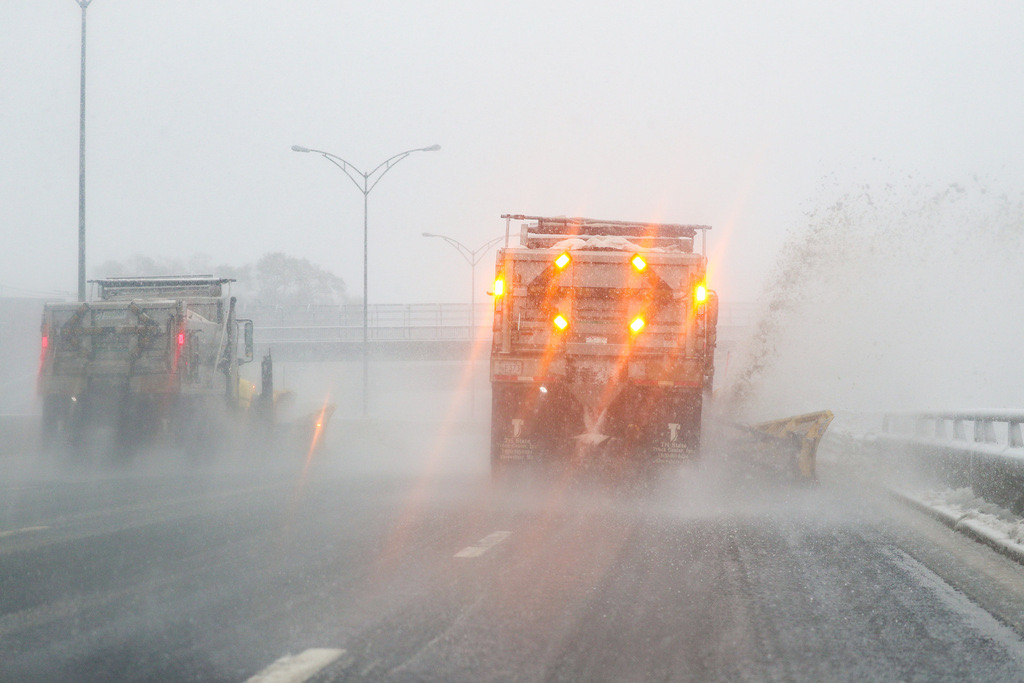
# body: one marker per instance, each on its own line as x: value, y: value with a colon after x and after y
x: 560, y: 421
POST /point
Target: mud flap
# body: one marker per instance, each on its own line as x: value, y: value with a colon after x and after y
x: 657, y: 424
x: 531, y: 424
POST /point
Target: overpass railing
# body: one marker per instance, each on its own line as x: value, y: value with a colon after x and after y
x: 404, y: 321
x: 378, y: 315
x: 325, y: 331
x: 319, y: 332
x: 980, y: 449
x: 354, y: 333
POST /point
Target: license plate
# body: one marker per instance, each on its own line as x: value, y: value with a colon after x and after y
x: 508, y: 367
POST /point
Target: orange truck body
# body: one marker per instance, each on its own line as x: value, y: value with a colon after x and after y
x: 603, y: 342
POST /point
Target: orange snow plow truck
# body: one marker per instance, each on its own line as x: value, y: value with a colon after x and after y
x: 604, y: 341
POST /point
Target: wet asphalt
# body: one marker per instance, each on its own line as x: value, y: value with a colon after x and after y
x: 394, y: 547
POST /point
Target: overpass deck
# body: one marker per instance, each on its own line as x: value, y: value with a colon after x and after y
x: 414, y: 331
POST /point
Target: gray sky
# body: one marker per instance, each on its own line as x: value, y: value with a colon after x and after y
x: 742, y: 115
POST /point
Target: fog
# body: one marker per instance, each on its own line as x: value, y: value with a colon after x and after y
x: 727, y: 114
x: 863, y: 171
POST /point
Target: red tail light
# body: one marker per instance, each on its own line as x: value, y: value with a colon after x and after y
x: 181, y: 339
x: 46, y: 342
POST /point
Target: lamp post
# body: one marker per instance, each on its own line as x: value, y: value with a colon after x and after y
x: 365, y: 187
x: 472, y: 257
x: 81, y: 165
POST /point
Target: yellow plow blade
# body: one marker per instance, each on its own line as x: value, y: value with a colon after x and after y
x: 793, y: 436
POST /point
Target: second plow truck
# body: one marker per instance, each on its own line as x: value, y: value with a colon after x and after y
x: 152, y: 356
x: 604, y: 341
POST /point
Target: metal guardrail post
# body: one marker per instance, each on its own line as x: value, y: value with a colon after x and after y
x: 1013, y: 435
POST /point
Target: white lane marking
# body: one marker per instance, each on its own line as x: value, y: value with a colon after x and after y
x: 15, y: 532
x: 299, y: 668
x: 484, y: 544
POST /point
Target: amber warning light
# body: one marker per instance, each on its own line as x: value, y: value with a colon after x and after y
x: 637, y: 324
x: 638, y: 263
x: 563, y: 260
x: 701, y: 295
x: 499, y: 287
x: 560, y: 322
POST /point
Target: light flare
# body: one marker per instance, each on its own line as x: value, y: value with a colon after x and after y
x: 700, y: 295
x: 411, y: 514
x: 318, y: 430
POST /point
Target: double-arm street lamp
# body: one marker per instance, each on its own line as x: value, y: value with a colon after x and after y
x: 365, y: 183
x: 472, y: 257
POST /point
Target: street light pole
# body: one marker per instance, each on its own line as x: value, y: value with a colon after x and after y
x: 472, y: 257
x: 81, y: 165
x: 351, y: 171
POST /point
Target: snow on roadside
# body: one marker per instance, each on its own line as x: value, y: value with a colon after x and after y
x: 854, y: 455
x: 977, y: 514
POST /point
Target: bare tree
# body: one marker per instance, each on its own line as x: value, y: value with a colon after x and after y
x: 275, y: 280
x: 287, y: 280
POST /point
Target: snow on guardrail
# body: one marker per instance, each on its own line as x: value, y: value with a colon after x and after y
x: 982, y: 450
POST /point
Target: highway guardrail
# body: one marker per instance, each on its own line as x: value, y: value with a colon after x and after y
x: 980, y: 449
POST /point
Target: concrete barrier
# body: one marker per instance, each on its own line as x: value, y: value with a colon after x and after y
x: 980, y: 450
